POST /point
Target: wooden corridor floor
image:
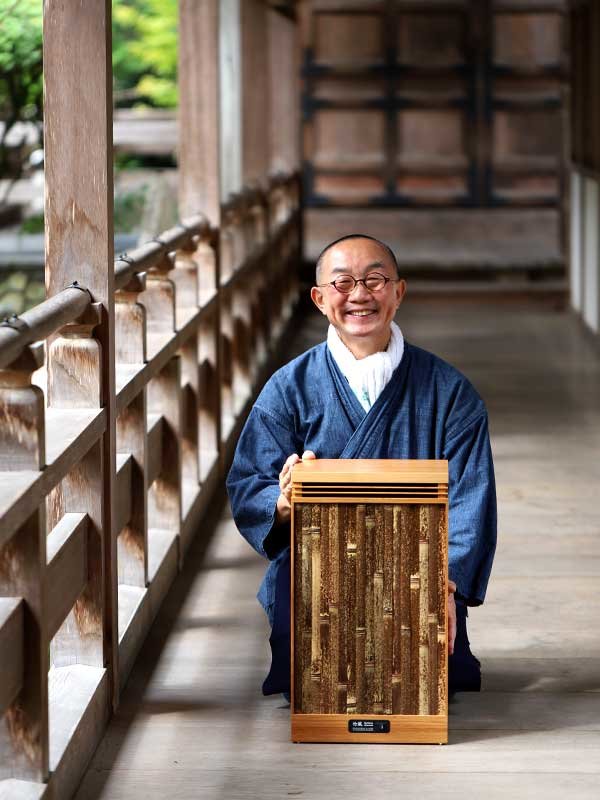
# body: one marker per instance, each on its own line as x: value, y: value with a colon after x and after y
x: 193, y: 724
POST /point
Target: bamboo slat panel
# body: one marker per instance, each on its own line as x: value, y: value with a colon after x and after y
x: 369, y: 600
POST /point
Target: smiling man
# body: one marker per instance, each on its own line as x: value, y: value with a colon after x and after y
x: 366, y: 393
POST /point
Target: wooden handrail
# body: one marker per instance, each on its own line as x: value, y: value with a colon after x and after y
x: 41, y: 321
x: 145, y: 256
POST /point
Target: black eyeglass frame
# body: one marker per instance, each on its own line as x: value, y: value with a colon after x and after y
x: 385, y: 279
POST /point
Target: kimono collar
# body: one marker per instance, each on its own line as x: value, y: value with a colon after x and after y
x: 367, y: 376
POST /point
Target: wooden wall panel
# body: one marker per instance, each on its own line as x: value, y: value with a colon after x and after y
x: 418, y: 104
x: 438, y: 40
x: 528, y: 41
x: 349, y: 138
x: 353, y: 40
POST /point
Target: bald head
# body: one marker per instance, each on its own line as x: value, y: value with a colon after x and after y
x: 384, y: 247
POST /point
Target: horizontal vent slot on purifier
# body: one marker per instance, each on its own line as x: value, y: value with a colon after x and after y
x: 349, y: 490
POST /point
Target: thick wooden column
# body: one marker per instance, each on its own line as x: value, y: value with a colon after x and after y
x: 255, y: 91
x: 284, y: 93
x: 198, y: 109
x: 200, y: 142
x: 79, y: 227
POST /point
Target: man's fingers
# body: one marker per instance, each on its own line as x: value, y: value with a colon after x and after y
x: 285, y: 476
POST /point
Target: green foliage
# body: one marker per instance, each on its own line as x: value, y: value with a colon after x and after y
x: 145, y: 51
x: 33, y: 224
x: 20, y: 71
x: 129, y: 208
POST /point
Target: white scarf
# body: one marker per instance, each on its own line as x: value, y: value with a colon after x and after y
x: 368, y: 376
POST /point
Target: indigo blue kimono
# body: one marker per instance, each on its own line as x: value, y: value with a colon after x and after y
x: 427, y: 410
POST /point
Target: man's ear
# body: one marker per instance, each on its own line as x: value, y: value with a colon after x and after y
x: 316, y: 295
x: 400, y: 290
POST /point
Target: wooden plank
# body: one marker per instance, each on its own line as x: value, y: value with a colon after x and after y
x: 67, y: 567
x: 79, y: 699
x: 134, y: 623
x: 11, y: 650
x: 365, y: 470
x: 199, y: 178
x: 78, y: 165
x: 163, y: 561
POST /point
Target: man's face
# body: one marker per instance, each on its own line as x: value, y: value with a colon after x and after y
x: 361, y: 318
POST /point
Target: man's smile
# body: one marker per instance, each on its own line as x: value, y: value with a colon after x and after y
x: 362, y: 312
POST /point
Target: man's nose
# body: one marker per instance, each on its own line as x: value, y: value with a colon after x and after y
x: 359, y: 290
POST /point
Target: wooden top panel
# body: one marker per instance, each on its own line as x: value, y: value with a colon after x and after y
x: 370, y: 470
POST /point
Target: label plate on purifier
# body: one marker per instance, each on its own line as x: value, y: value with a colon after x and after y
x: 369, y: 726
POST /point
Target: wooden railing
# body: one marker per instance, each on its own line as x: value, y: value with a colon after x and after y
x: 198, y: 312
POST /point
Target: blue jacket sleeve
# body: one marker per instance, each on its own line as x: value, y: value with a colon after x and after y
x: 253, y: 481
x: 472, y: 509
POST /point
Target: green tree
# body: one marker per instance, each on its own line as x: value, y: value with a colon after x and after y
x: 20, y: 76
x: 145, y: 51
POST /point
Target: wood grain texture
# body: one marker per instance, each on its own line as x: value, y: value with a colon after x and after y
x: 81, y: 638
x: 199, y: 179
x: 22, y: 414
x: 132, y: 550
x: 24, y: 729
x: 369, y: 607
x: 67, y: 567
x: 404, y: 729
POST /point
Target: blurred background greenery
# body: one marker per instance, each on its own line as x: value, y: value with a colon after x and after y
x: 144, y: 87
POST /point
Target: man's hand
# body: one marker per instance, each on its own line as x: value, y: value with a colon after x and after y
x: 284, y: 500
x: 451, y: 616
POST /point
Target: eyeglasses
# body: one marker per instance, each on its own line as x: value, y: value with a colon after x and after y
x: 346, y: 284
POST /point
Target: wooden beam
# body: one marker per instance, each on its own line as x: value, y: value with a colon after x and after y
x: 199, y: 178
x: 67, y: 567
x: 78, y: 151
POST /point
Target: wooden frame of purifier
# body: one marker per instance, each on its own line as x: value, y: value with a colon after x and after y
x: 379, y: 490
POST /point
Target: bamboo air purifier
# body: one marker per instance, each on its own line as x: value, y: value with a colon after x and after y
x: 369, y: 601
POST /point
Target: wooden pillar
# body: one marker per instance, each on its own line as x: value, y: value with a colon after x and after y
x: 255, y: 99
x: 200, y: 192
x: 79, y: 225
x: 199, y: 189
x: 284, y: 93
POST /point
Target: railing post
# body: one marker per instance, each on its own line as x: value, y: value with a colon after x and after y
x: 22, y: 429
x: 79, y: 247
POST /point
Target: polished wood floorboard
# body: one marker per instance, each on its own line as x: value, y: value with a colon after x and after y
x: 193, y: 723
